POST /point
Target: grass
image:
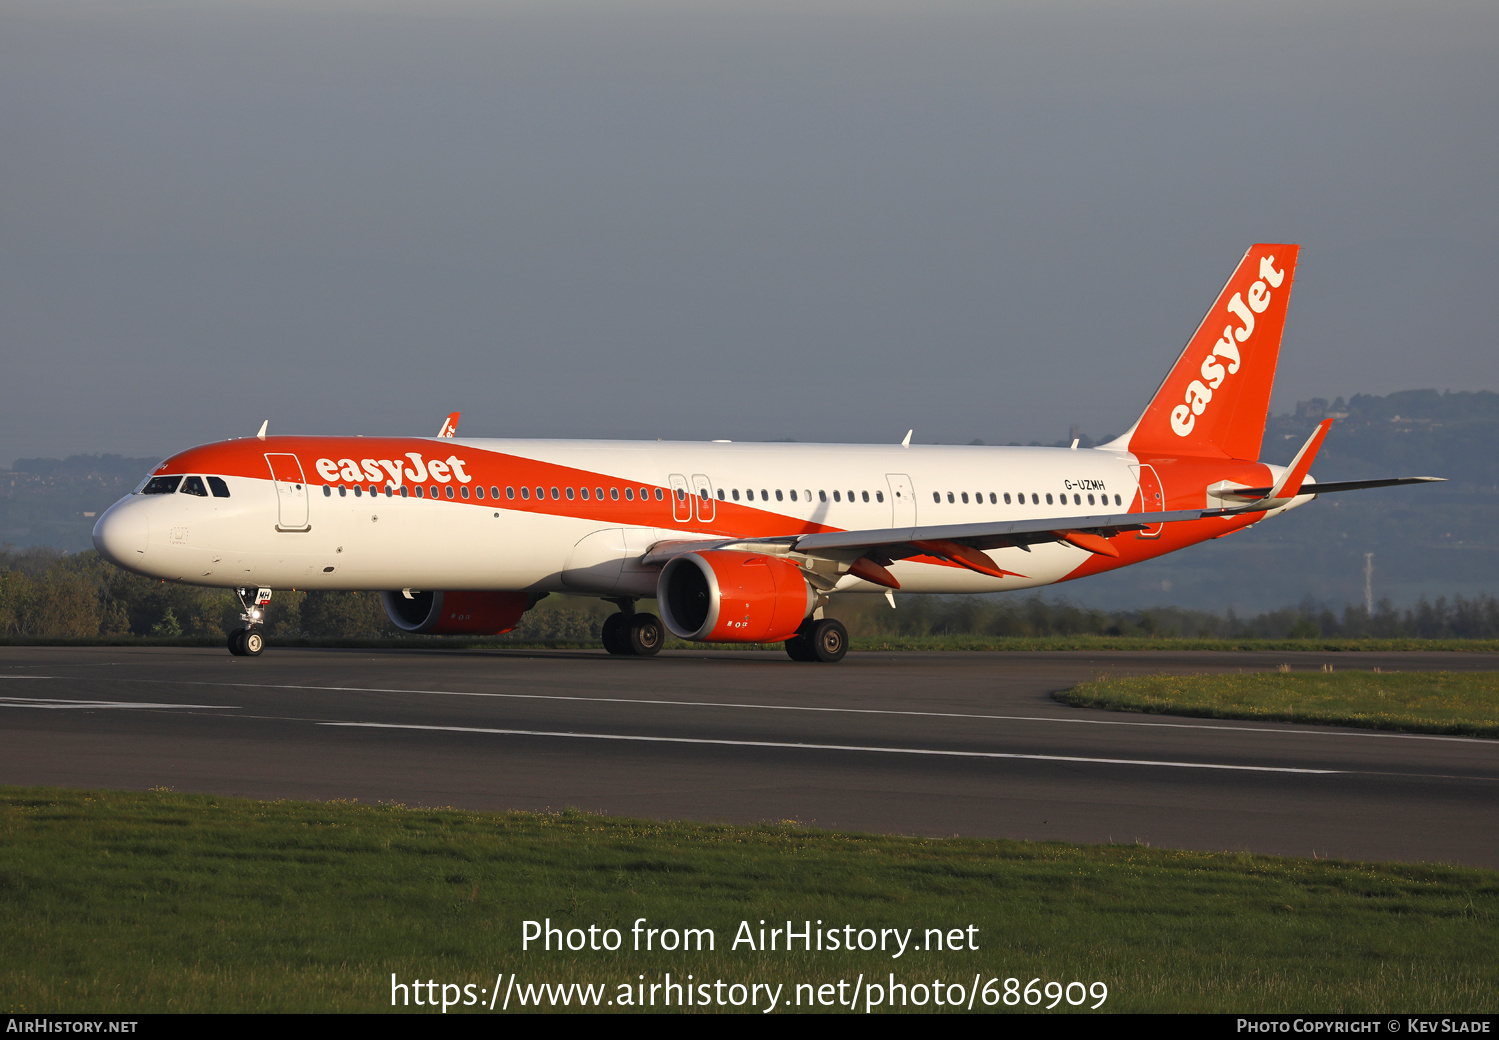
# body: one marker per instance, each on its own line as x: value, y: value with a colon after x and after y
x: 1465, y: 703
x: 157, y: 901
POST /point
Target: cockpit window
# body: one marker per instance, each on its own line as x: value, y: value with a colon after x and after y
x: 193, y: 486
x: 161, y: 485
x: 220, y: 489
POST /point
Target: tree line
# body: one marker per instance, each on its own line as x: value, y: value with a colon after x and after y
x: 44, y: 593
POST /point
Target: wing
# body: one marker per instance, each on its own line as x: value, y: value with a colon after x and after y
x: 964, y: 544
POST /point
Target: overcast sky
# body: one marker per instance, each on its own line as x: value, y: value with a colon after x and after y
x: 822, y: 221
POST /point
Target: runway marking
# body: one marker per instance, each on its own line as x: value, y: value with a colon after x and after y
x: 58, y: 702
x: 1311, y: 731
x: 829, y: 747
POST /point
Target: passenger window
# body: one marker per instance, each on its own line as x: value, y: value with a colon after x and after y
x: 1048, y: 498
x: 965, y: 498
x: 161, y: 485
x: 864, y: 495
x: 1077, y: 499
x: 629, y: 494
x: 681, y: 495
x: 403, y: 491
x: 582, y: 492
x: 598, y: 493
x: 837, y: 497
x: 1117, y: 501
x: 936, y: 496
x: 219, y: 488
x: 464, y: 491
x: 555, y: 494
x: 778, y: 495
x: 1007, y: 498
x: 525, y: 493
x: 879, y: 496
x: 822, y: 496
x: 509, y: 491
x: 1036, y: 499
x: 720, y: 494
x: 764, y: 495
x: 736, y: 494
x: 793, y: 494
x: 327, y: 491
x: 479, y: 491
x: 614, y: 494
x: 949, y: 497
x: 659, y: 496
x: 358, y: 491
x: 1090, y: 500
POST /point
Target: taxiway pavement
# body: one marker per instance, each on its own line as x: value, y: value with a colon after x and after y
x: 940, y: 744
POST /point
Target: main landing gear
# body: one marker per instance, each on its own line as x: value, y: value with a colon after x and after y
x: 629, y: 633
x: 250, y: 640
x: 818, y: 639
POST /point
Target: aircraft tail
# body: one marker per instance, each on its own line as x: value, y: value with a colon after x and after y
x: 1215, y: 399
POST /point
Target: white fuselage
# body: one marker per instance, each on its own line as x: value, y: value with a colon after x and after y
x: 347, y: 538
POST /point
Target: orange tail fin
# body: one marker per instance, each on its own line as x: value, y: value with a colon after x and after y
x: 1216, y: 398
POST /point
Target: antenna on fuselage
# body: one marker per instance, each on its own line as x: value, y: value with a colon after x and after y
x: 907, y: 442
x: 263, y: 425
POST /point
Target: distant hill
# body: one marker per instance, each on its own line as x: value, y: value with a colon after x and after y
x: 54, y: 502
x: 1431, y: 540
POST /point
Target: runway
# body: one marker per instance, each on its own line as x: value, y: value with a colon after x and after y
x: 939, y: 744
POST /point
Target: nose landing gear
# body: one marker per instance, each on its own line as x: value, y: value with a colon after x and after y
x: 250, y: 640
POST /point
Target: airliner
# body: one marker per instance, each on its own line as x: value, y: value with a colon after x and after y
x: 736, y: 542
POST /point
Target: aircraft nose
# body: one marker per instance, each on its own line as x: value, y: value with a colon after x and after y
x: 121, y: 533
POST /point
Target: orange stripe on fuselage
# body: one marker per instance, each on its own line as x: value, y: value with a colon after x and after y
x: 246, y: 458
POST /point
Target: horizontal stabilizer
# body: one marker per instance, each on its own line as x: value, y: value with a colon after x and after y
x: 1328, y: 488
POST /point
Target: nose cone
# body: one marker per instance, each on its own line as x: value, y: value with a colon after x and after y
x: 122, y: 532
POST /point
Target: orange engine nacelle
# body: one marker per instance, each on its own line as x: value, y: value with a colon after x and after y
x: 456, y: 613
x: 727, y: 596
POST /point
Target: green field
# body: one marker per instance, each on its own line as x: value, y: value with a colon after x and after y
x: 167, y: 902
x: 1465, y: 703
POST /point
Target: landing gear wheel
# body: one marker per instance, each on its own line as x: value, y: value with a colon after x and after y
x: 237, y: 642
x: 615, y: 634
x: 646, y: 635
x: 253, y: 642
x: 798, y: 649
x: 828, y: 640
